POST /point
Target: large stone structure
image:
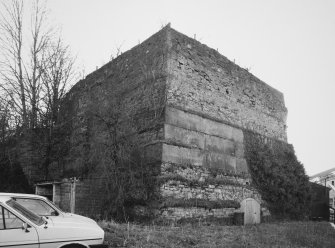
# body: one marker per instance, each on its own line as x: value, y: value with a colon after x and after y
x: 186, y: 105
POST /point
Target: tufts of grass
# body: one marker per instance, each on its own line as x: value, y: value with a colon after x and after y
x: 200, y: 203
x: 281, y: 234
x: 194, y: 182
x: 309, y: 234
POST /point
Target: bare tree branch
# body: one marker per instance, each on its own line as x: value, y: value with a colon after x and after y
x: 12, y: 44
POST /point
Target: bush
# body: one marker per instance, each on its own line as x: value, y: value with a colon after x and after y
x: 12, y: 178
x: 278, y: 175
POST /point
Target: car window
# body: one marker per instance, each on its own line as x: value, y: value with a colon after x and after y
x: 53, y: 205
x: 1, y: 219
x: 38, y: 220
x: 9, y: 220
x: 37, y: 206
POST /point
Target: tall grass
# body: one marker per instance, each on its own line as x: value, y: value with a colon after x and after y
x: 311, y: 234
x: 284, y: 234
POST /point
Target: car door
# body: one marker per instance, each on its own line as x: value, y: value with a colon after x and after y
x: 12, y: 233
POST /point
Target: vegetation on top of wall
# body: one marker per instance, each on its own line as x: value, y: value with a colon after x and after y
x: 278, y: 176
x: 212, y: 172
x: 171, y: 202
x: 195, y: 182
x: 218, y: 171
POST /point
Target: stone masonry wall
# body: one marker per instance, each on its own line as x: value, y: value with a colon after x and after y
x: 130, y: 89
x: 210, y: 101
x: 187, y: 106
x: 193, y: 139
x: 123, y: 100
x: 184, y: 183
x: 203, y: 81
x: 196, y: 213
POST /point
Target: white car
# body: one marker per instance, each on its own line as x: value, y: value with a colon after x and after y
x: 20, y: 227
x: 40, y: 205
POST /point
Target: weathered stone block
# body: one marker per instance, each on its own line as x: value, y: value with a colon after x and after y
x: 181, y: 155
x: 186, y: 137
x: 195, y: 122
x: 241, y: 166
x: 222, y: 161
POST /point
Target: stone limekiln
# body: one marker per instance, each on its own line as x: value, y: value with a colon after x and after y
x: 187, y: 106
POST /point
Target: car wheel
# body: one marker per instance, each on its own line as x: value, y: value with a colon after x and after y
x: 74, y: 246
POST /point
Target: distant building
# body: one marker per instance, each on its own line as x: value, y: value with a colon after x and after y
x: 326, y: 178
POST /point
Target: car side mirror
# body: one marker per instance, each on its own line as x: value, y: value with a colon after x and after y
x: 45, y: 222
x: 54, y: 213
x: 25, y: 227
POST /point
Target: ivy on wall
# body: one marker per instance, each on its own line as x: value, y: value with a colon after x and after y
x: 278, y: 176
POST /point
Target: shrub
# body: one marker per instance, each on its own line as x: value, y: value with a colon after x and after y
x: 278, y: 176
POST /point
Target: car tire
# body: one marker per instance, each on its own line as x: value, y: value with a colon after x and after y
x: 74, y: 246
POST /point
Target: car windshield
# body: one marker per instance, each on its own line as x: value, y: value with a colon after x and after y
x: 38, y: 206
x: 55, y: 206
x: 38, y: 220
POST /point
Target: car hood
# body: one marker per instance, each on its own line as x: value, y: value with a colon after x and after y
x: 76, y: 217
x: 73, y: 222
x: 66, y: 229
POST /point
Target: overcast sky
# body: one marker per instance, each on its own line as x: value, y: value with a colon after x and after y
x: 289, y: 44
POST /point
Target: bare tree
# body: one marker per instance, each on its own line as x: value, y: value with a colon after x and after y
x: 41, y: 36
x: 35, y: 70
x: 11, y: 63
x: 58, y: 74
x: 4, y: 116
x: 8, y: 126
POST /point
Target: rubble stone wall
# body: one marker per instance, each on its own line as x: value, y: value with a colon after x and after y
x: 127, y: 92
x: 209, y: 192
x: 203, y: 81
x: 189, y: 182
x: 210, y: 101
x: 196, y: 213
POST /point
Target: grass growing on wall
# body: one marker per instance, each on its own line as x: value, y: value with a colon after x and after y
x: 278, y: 176
x: 172, y: 202
x: 179, y: 179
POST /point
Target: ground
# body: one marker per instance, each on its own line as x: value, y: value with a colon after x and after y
x: 281, y: 234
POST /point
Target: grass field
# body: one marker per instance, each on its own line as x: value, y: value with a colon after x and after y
x: 282, y: 234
